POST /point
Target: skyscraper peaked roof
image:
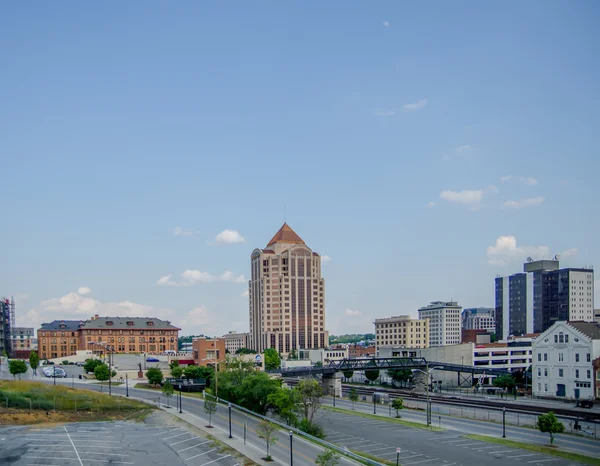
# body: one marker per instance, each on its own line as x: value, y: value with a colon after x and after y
x: 286, y: 235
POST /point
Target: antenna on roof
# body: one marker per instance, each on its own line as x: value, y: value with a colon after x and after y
x: 284, y: 213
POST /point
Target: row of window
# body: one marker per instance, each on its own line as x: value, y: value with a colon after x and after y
x: 588, y: 357
x: 561, y: 373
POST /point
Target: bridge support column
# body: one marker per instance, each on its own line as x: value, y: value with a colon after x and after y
x: 332, y: 384
x: 420, y: 381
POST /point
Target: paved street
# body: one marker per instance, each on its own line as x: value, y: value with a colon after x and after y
x: 120, y: 443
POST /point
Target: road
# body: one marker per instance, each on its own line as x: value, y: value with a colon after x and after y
x: 586, y: 446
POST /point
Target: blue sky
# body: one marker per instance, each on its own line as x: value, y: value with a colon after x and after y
x: 424, y: 148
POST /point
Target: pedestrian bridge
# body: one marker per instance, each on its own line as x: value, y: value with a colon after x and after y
x: 387, y: 363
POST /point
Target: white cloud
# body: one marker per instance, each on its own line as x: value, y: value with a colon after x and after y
x: 178, y: 231
x: 567, y: 253
x: 430, y: 205
x: 463, y: 148
x: 493, y: 188
x: 522, y: 203
x: 245, y: 293
x: 458, y: 152
x: 385, y: 113
x: 415, y: 106
x: 166, y: 281
x: 529, y: 180
x: 84, y: 290
x: 197, y: 317
x: 468, y: 197
x: 352, y: 313
x: 191, y: 277
x: 504, y: 179
x: 74, y: 306
x: 197, y: 276
x: 386, y: 24
x: 506, y: 251
x: 229, y: 276
x: 229, y: 237
x: 325, y: 259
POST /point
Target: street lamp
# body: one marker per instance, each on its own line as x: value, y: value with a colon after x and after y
x: 229, y: 406
x: 428, y: 372
x: 180, y: 400
x: 503, y: 422
x: 127, y: 384
x: 54, y: 373
x: 291, y: 448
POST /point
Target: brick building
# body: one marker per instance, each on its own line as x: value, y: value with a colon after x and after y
x: 208, y: 351
x: 22, y: 338
x: 358, y: 352
x: 62, y: 338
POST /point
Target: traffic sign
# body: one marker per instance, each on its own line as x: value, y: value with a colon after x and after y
x: 398, y: 450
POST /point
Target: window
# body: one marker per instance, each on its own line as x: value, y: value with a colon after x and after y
x: 545, y: 372
x: 576, y: 373
x: 539, y: 357
x: 560, y: 357
x: 555, y: 338
x: 560, y: 373
x: 588, y: 357
x: 539, y: 372
x: 589, y: 374
x: 545, y: 387
x: 576, y: 357
x: 545, y: 356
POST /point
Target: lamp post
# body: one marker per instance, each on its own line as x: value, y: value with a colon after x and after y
x: 127, y: 385
x: 109, y: 352
x: 503, y: 422
x: 333, y: 394
x: 291, y: 448
x: 54, y: 373
x: 229, y: 406
x: 180, y: 400
x: 428, y: 372
x: 374, y: 404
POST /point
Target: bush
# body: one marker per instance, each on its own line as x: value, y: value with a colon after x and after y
x: 65, y: 362
x: 311, y: 428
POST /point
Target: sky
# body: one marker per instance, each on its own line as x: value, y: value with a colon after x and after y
x: 424, y: 148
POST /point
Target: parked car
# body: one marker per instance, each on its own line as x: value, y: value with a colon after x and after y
x: 57, y: 372
x: 80, y: 363
x: 151, y: 359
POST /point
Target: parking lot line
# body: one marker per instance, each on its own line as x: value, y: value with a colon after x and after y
x: 173, y: 436
x: 376, y: 449
x: 96, y: 441
x: 74, y: 447
x: 218, y: 459
x: 543, y: 461
x: 189, y: 448
x: 521, y: 456
x: 201, y: 454
x: 418, y: 462
x: 45, y: 458
x: 181, y: 441
x: 167, y: 431
x: 104, y: 453
x: 105, y: 461
x: 499, y: 451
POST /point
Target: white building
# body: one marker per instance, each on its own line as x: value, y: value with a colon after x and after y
x: 401, y: 331
x: 562, y: 360
x: 444, y: 322
x: 479, y: 318
x: 324, y: 356
x: 235, y: 341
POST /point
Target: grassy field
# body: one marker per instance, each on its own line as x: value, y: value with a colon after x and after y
x: 158, y: 390
x: 24, y: 402
x: 415, y: 425
x: 547, y: 450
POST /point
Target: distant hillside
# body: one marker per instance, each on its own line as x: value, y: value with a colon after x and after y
x: 350, y: 338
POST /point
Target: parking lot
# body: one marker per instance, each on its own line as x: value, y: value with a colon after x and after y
x: 119, y: 443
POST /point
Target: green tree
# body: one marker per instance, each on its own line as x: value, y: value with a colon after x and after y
x: 255, y: 390
x: 348, y: 374
x: 400, y: 375
x: 168, y: 391
x: 272, y: 359
x: 505, y: 381
x: 177, y: 372
x: 327, y: 458
x: 17, y: 367
x: 293, y: 355
x: 310, y: 393
x: 102, y: 373
x: 372, y: 374
x: 245, y: 351
x: 398, y: 404
x: 191, y: 372
x: 266, y: 431
x: 210, y: 408
x: 154, y: 376
x: 318, y: 364
x: 90, y: 365
x: 548, y: 423
x: 284, y: 403
x: 34, y: 361
x: 353, y: 396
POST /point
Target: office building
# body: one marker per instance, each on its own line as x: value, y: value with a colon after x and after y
x: 235, y: 341
x: 542, y: 295
x: 444, y: 322
x: 62, y: 338
x: 22, y: 338
x: 401, y: 331
x: 563, y: 358
x: 208, y: 352
x: 479, y: 318
x: 5, y: 326
x: 287, y: 296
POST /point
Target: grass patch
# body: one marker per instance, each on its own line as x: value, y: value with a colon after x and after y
x: 547, y: 450
x: 415, y: 425
x: 373, y: 458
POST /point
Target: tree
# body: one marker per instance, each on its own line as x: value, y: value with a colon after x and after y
x: 353, y: 396
x: 168, y: 391
x: 34, y: 361
x: 154, y: 376
x: 327, y: 458
x: 348, y: 374
x: 17, y: 367
x: 210, y: 407
x: 400, y: 375
x: 266, y: 431
x: 310, y: 393
x: 372, y: 374
x: 550, y: 424
x: 318, y: 364
x: 177, y: 372
x: 293, y: 355
x: 255, y: 390
x: 504, y: 381
x: 272, y: 359
x: 191, y: 372
x: 90, y: 365
x: 398, y: 404
x: 284, y: 403
x: 102, y: 373
x: 245, y: 351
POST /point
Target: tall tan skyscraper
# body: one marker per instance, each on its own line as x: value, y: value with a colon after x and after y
x: 287, y: 295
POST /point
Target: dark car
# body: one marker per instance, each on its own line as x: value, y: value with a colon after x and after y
x: 151, y: 359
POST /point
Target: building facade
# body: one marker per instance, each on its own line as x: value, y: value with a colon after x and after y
x: 361, y: 352
x: 287, y: 296
x: 22, y: 338
x: 398, y: 331
x: 208, y: 352
x: 479, y: 318
x: 563, y: 359
x: 444, y: 322
x: 235, y: 341
x: 542, y: 295
x: 62, y: 338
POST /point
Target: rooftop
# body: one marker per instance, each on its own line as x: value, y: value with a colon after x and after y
x: 128, y: 322
x: 62, y: 325
x: 589, y: 329
x: 285, y: 235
